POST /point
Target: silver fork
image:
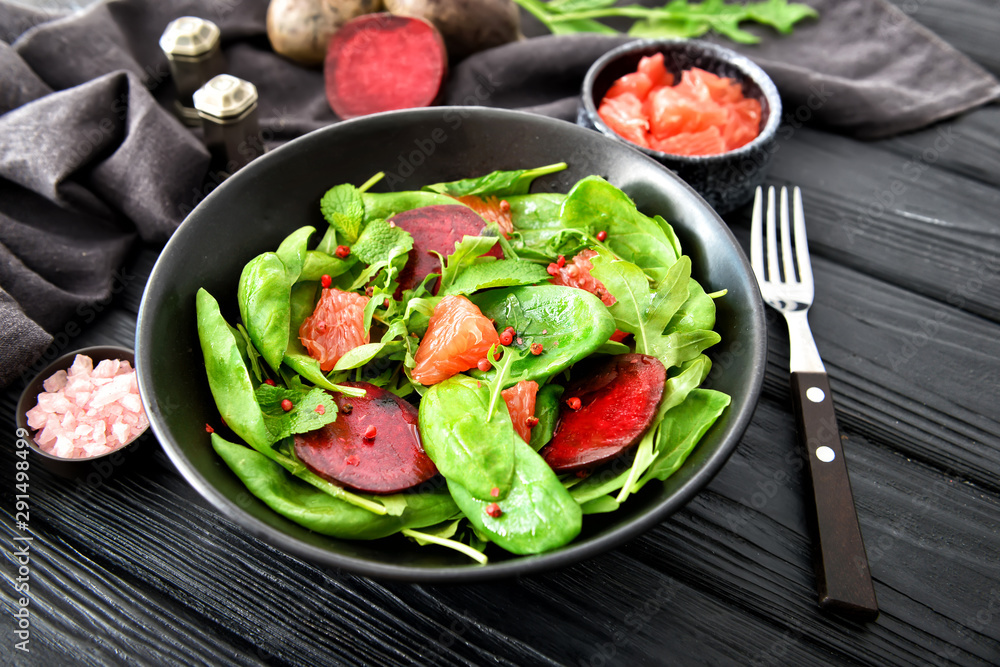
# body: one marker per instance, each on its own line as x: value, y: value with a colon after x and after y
x: 786, y: 283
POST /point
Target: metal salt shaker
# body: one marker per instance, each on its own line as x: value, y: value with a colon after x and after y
x: 227, y: 106
x: 191, y: 45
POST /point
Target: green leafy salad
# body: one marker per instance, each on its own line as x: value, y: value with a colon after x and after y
x: 467, y: 364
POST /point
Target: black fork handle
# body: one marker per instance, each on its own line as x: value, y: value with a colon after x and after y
x: 842, y: 574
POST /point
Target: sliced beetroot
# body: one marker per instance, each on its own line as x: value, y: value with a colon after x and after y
x: 380, y: 62
x: 391, y: 461
x: 617, y: 403
x: 438, y: 229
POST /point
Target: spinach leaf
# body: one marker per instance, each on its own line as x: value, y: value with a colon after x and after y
x: 569, y: 323
x: 292, y: 252
x: 698, y: 312
x: 595, y: 205
x: 497, y: 183
x: 263, y: 296
x: 547, y: 413
x: 228, y: 378
x: 537, y: 515
x: 385, y: 204
x: 499, y: 273
x: 318, y: 511
x: 466, y: 447
x: 317, y: 264
x: 537, y: 211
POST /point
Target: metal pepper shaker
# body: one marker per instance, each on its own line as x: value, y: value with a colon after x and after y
x: 227, y: 106
x: 191, y: 45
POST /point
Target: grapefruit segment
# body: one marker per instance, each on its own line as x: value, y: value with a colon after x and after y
x: 336, y: 326
x: 520, y: 400
x: 458, y: 336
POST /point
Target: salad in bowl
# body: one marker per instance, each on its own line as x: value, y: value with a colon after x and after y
x: 470, y: 365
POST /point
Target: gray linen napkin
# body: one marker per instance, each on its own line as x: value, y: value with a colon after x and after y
x: 864, y: 68
x: 92, y: 160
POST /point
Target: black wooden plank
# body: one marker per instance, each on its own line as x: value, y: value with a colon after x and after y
x: 968, y: 25
x: 886, y: 350
x: 910, y: 222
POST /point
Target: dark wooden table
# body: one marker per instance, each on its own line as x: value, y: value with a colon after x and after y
x: 133, y: 566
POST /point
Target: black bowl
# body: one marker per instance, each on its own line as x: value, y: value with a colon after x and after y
x: 253, y: 211
x: 726, y: 181
x: 63, y: 467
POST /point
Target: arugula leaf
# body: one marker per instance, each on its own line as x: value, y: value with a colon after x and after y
x: 678, y: 18
x: 302, y: 418
x: 497, y: 183
x: 499, y: 273
x: 467, y: 252
x: 344, y: 210
x: 647, y: 312
x: 681, y: 429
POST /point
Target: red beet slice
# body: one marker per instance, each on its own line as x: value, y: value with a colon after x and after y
x: 436, y: 228
x: 618, y: 400
x: 380, y: 62
x: 392, y: 461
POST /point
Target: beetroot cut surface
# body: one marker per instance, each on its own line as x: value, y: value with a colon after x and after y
x: 434, y: 228
x: 618, y: 401
x: 391, y: 461
x: 380, y: 62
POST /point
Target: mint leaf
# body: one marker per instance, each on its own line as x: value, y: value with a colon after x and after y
x: 380, y: 242
x: 344, y: 210
x: 499, y: 273
x: 302, y: 418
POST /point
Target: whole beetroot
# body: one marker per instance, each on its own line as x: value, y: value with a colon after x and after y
x: 467, y: 26
x: 301, y: 29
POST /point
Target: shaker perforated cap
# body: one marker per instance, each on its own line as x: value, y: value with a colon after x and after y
x: 225, y: 96
x: 189, y: 36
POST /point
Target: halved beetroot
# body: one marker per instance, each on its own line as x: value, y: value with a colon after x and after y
x: 391, y: 461
x: 381, y: 62
x: 436, y: 228
x: 617, y: 402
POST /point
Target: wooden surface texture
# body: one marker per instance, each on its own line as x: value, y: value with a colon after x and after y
x: 136, y: 568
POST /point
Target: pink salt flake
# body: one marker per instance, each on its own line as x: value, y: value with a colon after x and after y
x: 55, y: 382
x: 107, y: 368
x: 131, y: 403
x: 81, y: 364
x: 120, y: 431
x: 88, y: 411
